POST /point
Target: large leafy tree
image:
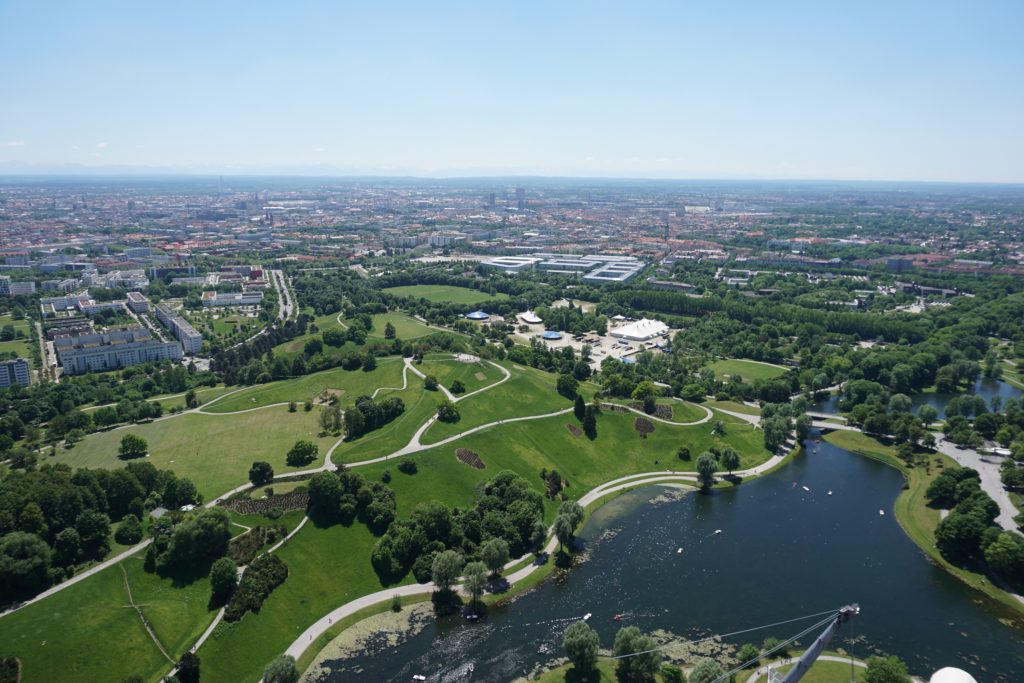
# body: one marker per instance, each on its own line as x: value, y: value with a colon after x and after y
x: 581, y: 642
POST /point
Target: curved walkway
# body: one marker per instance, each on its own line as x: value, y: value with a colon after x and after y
x: 709, y: 414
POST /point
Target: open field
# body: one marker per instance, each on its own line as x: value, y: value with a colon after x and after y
x: 446, y: 370
x: 445, y: 294
x: 748, y: 370
x: 214, y: 451
x: 528, y: 447
x: 88, y: 632
x: 529, y: 392
x: 353, y: 383
x: 405, y: 327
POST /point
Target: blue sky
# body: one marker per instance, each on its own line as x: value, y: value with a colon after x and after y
x: 712, y: 89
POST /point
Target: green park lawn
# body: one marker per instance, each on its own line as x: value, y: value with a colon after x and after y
x: 326, y: 568
x: 528, y: 392
x: 405, y: 327
x: 420, y: 405
x: 352, y: 383
x: 293, y: 347
x: 214, y: 451
x: 87, y: 632
x: 445, y: 294
x: 530, y: 446
x: 746, y: 369
x: 177, y: 399
x: 472, y: 375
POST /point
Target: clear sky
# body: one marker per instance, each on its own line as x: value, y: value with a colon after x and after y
x: 899, y: 90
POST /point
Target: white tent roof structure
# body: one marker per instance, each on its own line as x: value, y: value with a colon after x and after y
x: 530, y: 318
x: 641, y: 330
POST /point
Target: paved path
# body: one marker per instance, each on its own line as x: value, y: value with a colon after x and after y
x: 991, y: 483
x: 708, y: 414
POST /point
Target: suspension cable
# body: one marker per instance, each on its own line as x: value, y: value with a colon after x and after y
x: 832, y: 613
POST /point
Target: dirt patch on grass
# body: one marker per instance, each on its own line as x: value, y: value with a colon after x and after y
x: 643, y: 425
x: 470, y: 458
x: 296, y: 500
x: 480, y: 377
x: 660, y: 410
x: 574, y: 430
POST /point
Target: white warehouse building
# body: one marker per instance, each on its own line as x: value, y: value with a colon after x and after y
x: 640, y: 330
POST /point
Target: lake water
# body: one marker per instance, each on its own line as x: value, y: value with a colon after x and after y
x: 986, y: 388
x: 783, y: 553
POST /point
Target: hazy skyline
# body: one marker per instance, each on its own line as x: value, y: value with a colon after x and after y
x: 875, y: 91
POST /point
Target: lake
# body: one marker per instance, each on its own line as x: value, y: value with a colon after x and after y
x: 986, y: 388
x: 783, y: 553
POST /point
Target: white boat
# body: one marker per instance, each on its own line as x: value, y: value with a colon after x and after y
x: 679, y: 551
x: 587, y: 616
x: 806, y: 489
x: 718, y: 531
x: 830, y: 493
x: 881, y: 512
x: 419, y: 677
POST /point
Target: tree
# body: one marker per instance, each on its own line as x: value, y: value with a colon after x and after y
x: 494, y: 553
x: 132, y: 446
x: 223, y: 581
x: 24, y: 565
x: 748, y: 654
x: 1005, y: 556
x: 94, y: 529
x: 457, y: 387
x: 430, y: 383
x: 330, y: 418
x: 706, y: 466
x: 886, y: 670
x: 446, y: 569
x: 301, y: 454
x: 67, y: 547
x: 706, y: 671
x: 129, y: 531
x: 190, y: 399
x: 564, y: 531
x: 188, y: 668
x: 803, y: 426
x: 389, y: 331
x: 475, y: 579
x: 292, y: 407
x: 579, y: 408
x: 369, y: 362
x: 638, y: 668
x: 730, y: 459
x: 958, y: 536
x: 683, y: 453
x: 566, y: 386
x: 590, y: 422
x: 927, y: 414
x: 261, y: 473
x: 447, y: 412
x: 670, y: 673
x: 282, y: 669
x: 581, y: 643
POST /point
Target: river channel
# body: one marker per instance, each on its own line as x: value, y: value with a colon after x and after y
x: 782, y: 552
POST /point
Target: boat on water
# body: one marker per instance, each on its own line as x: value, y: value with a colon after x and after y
x: 679, y: 551
x: 419, y: 677
x: 882, y: 513
x: 586, y: 617
x: 617, y: 617
x: 718, y: 531
x: 830, y: 493
x: 806, y: 489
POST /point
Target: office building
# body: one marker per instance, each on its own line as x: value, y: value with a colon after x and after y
x: 137, y: 302
x: 250, y: 298
x: 14, y: 372
x: 10, y: 288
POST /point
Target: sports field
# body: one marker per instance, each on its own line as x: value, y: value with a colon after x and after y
x: 445, y: 294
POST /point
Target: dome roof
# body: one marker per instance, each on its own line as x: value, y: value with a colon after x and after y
x: 951, y: 674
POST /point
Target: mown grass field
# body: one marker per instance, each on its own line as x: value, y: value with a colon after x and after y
x: 530, y: 446
x: 352, y: 383
x: 405, y: 327
x: 528, y: 392
x: 214, y: 451
x: 446, y: 370
x: 177, y: 399
x: 445, y: 294
x: 88, y: 632
x: 746, y: 369
x: 735, y: 407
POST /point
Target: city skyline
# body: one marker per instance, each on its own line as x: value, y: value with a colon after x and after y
x: 921, y: 92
